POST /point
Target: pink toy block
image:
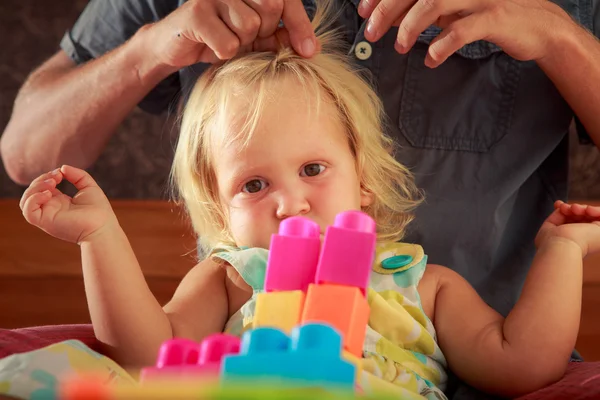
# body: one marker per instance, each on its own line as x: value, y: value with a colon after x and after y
x: 293, y: 255
x: 183, y: 358
x: 348, y: 251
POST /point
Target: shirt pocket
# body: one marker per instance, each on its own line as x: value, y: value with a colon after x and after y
x: 465, y: 104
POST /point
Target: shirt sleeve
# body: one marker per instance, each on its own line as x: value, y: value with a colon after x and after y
x: 593, y: 24
x: 106, y: 24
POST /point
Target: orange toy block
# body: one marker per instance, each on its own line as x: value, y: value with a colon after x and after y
x: 279, y: 309
x: 343, y: 307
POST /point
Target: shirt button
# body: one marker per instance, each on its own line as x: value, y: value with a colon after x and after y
x: 363, y: 50
x: 396, y: 261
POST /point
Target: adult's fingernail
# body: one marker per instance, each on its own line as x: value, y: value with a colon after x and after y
x: 308, y: 47
x: 400, y: 48
x: 56, y: 171
x: 371, y: 30
x: 362, y: 7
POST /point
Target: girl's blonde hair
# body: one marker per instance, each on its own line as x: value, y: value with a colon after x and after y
x: 360, y: 110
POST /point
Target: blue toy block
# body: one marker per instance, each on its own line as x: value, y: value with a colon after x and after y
x: 309, y: 357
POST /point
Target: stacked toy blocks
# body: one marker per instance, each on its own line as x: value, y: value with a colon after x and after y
x: 338, y: 294
x: 291, y: 268
x: 303, y: 286
x: 186, y: 359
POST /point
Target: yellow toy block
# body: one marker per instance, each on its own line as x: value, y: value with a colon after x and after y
x: 279, y: 309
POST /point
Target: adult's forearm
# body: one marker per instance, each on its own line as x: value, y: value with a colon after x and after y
x: 66, y: 116
x: 573, y: 64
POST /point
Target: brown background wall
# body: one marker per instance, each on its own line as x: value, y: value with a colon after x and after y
x: 138, y: 158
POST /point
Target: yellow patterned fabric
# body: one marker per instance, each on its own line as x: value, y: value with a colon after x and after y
x: 400, y: 354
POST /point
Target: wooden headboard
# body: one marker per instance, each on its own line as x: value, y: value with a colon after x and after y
x: 40, y: 276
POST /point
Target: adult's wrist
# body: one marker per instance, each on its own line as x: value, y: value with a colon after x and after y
x: 149, y: 67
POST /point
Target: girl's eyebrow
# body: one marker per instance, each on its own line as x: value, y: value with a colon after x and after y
x: 239, y: 172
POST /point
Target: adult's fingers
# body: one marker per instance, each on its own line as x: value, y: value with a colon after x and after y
x: 280, y: 38
x: 301, y: 32
x: 270, y: 12
x: 241, y: 19
x: 366, y: 7
x: 206, y: 26
x: 423, y: 14
x: 459, y: 33
x: 383, y: 16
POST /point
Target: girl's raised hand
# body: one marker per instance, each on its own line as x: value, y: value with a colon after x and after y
x: 576, y: 222
x: 73, y: 219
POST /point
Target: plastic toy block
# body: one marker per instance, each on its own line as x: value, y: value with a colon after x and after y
x: 345, y: 308
x: 85, y: 388
x: 88, y: 388
x: 309, y: 357
x: 293, y: 255
x: 348, y: 251
x: 279, y: 310
x: 182, y: 358
x: 354, y: 360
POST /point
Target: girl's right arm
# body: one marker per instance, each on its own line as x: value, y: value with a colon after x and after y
x: 125, y: 315
x: 200, y: 304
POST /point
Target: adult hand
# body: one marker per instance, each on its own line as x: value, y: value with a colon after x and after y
x: 524, y: 29
x: 213, y: 30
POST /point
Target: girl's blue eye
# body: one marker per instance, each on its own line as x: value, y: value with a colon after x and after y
x: 254, y: 186
x: 312, y: 169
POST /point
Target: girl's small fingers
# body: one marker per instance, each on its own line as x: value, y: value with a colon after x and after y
x: 593, y: 211
x: 578, y: 209
x: 558, y: 203
x: 55, y: 174
x: 78, y: 177
x: 565, y: 209
x: 32, y: 209
x: 36, y: 187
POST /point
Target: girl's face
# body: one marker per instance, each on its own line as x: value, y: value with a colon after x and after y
x: 293, y: 165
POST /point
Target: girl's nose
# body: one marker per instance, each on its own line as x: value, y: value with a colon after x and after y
x: 292, y: 203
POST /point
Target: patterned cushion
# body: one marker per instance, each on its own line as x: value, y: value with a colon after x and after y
x: 581, y: 382
x: 26, y: 339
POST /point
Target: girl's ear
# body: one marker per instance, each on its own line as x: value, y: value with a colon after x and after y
x: 366, y: 198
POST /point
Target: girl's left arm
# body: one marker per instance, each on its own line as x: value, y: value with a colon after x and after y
x: 528, y: 349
